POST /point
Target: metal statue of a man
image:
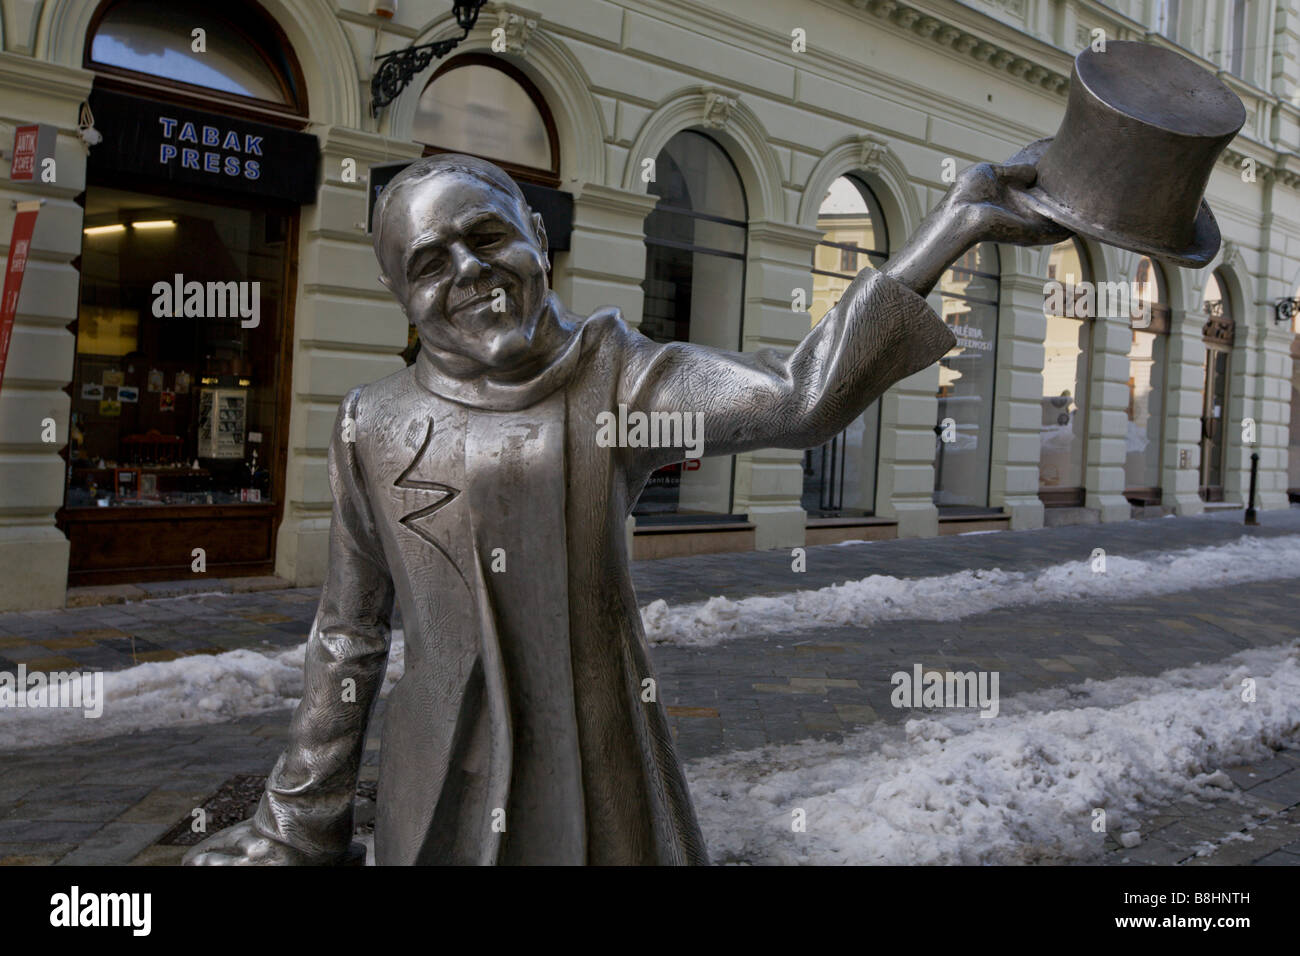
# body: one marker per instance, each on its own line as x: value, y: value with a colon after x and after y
x: 470, y: 487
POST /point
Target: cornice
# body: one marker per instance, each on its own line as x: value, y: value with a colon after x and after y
x: 947, y: 31
x: 29, y: 75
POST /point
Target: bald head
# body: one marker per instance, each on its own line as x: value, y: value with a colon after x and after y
x: 466, y: 258
x: 426, y: 169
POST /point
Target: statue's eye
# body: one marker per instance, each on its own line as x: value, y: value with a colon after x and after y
x: 431, y: 264
x: 489, y: 239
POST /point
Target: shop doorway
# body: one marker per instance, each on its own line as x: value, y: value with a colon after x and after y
x: 181, y: 379
x: 180, y: 386
x: 1218, y: 334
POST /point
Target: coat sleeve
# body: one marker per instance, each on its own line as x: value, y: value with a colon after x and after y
x: 879, y: 332
x: 308, y: 798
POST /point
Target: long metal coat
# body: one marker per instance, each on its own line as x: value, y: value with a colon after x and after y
x: 519, y: 732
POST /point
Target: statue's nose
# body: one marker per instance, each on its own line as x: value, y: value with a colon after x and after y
x: 468, y: 266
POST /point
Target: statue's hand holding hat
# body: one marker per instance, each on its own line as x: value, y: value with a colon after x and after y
x: 1142, y: 131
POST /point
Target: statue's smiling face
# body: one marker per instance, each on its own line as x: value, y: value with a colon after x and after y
x: 468, y: 264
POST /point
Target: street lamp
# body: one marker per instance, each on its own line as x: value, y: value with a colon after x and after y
x: 397, y: 69
x: 1284, y: 310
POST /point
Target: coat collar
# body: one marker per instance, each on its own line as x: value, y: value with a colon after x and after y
x: 507, y: 396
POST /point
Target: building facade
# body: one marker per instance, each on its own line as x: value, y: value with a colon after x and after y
x: 200, y: 290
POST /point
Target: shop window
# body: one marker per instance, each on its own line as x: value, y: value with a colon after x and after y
x: 694, y: 292
x: 967, y: 376
x: 151, y: 42
x: 1218, y: 334
x: 839, y: 478
x: 177, y: 373
x: 1067, y: 348
x: 1147, y: 358
x: 486, y: 107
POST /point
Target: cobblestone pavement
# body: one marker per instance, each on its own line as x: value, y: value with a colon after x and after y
x: 110, y: 801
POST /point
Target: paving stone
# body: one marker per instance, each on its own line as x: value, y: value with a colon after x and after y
x: 1279, y: 858
x: 115, y: 844
x: 46, y: 831
x: 28, y: 854
x: 158, y: 855
x: 1284, y: 789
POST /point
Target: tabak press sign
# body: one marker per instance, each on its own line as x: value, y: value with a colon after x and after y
x: 203, y: 149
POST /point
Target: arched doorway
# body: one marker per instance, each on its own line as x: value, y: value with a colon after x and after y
x: 1067, y: 350
x: 181, y: 382
x: 1147, y: 364
x: 967, y: 377
x: 484, y: 106
x: 1218, y: 334
x: 839, y: 478
x: 694, y: 284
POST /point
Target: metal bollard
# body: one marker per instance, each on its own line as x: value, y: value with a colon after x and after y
x: 1254, y: 476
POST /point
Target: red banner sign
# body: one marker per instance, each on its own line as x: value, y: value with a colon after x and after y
x: 19, y: 244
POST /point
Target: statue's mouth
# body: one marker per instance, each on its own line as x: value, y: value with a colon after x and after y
x: 481, y: 290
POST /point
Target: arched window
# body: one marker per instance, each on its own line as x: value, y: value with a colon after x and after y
x: 967, y: 374
x: 1147, y: 356
x: 840, y: 477
x: 240, y: 59
x: 1218, y: 333
x: 694, y: 291
x: 1065, y: 378
x: 486, y: 107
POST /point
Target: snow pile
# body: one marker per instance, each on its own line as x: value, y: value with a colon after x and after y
x: 955, y: 789
x: 201, y: 689
x: 952, y: 596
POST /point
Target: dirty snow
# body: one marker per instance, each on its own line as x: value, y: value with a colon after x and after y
x: 949, y: 597
x: 200, y: 689
x: 955, y: 789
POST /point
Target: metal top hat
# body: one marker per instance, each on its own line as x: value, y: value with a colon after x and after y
x: 1129, y: 165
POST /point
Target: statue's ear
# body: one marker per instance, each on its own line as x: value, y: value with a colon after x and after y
x: 539, y: 229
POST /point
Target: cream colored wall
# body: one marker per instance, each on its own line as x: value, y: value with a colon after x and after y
x: 885, y: 89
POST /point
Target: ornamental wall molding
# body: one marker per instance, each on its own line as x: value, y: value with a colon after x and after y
x: 718, y: 108
x: 978, y: 48
x: 872, y: 153
x: 518, y: 26
x: 1279, y: 173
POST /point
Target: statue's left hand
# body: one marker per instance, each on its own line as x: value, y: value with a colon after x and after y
x: 988, y: 202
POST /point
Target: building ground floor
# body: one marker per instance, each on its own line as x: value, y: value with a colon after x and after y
x: 201, y: 289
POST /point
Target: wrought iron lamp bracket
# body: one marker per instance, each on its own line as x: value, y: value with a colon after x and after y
x: 398, y: 68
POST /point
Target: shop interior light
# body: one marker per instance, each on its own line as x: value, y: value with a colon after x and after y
x: 155, y: 224
x: 104, y: 230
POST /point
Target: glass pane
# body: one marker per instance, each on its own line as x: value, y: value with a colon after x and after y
x: 153, y: 37
x: 175, y: 408
x: 1065, y: 396
x: 963, y: 440
x: 1216, y: 417
x: 1065, y: 378
x: 1146, y: 387
x: 677, y: 227
x: 691, y: 296
x: 1149, y: 283
x: 1214, y: 302
x: 482, y: 110
x: 692, y: 172
x: 839, y: 478
x: 854, y: 239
